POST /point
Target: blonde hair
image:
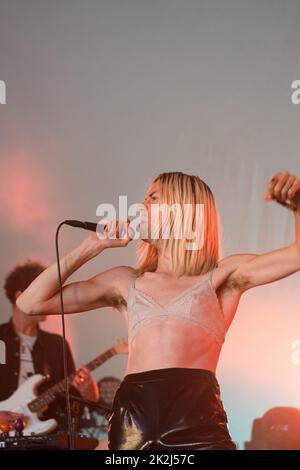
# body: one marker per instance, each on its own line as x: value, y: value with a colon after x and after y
x: 180, y: 188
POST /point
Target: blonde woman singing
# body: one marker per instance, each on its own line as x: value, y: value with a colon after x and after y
x: 178, y: 304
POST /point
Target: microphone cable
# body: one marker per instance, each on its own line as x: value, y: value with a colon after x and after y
x: 64, y: 343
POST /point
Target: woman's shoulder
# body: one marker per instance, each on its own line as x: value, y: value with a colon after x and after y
x: 235, y: 259
x: 122, y: 272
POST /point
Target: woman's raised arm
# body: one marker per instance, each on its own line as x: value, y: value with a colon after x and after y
x: 42, y: 296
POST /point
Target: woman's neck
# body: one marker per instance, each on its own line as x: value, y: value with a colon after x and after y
x: 164, y: 264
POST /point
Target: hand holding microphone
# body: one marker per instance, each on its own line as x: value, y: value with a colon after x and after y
x: 114, y: 233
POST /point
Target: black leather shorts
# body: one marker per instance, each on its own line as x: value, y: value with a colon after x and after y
x: 169, y: 409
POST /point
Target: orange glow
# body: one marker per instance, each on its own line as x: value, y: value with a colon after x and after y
x: 257, y: 353
x: 24, y: 195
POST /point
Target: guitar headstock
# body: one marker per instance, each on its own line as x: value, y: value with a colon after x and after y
x: 121, y: 346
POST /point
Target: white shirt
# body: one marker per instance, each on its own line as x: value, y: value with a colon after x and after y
x: 26, y: 362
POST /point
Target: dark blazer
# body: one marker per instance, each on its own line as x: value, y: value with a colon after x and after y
x: 47, y: 358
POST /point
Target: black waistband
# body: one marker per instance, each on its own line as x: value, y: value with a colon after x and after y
x: 168, y: 373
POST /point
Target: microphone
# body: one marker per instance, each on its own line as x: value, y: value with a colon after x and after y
x: 92, y: 226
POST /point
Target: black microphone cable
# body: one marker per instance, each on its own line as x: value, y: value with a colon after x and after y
x: 64, y: 342
x: 87, y: 226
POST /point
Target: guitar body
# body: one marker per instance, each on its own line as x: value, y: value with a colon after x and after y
x: 23, y: 398
x: 18, y: 401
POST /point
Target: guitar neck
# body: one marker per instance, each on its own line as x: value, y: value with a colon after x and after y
x: 50, y: 395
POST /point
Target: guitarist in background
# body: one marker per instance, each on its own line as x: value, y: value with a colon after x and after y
x: 31, y: 350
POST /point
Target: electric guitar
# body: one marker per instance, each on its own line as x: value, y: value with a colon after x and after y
x: 25, y: 400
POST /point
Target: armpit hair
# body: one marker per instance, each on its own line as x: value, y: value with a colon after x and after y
x: 237, y: 282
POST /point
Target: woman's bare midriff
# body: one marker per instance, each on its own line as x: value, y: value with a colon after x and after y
x: 172, y: 343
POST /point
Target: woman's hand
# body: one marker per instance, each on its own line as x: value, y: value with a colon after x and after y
x: 95, y: 243
x: 285, y: 189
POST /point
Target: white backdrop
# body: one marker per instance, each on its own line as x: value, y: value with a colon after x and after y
x: 102, y: 96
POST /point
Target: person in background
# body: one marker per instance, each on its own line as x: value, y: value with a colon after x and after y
x: 97, y: 424
x: 31, y: 350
